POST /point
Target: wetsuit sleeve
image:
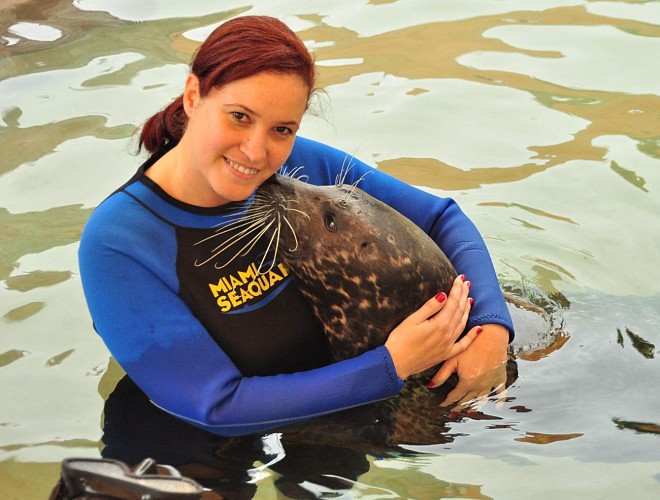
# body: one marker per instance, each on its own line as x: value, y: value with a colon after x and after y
x: 131, y: 291
x: 441, y: 218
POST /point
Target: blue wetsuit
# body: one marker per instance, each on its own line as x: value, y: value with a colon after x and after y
x: 224, y: 348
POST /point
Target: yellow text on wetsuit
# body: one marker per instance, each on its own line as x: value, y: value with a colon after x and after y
x: 237, y: 289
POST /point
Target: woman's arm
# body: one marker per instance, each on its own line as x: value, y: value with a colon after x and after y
x: 441, y: 218
x: 131, y: 290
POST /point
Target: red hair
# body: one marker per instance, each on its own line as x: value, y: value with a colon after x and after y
x: 237, y: 49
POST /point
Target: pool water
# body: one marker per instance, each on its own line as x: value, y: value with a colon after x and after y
x: 540, y: 117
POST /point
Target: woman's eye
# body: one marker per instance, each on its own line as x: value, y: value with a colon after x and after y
x: 284, y: 130
x: 331, y: 223
x: 239, y: 116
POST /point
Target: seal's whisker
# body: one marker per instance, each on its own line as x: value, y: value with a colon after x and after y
x: 351, y: 191
x: 274, y: 237
x: 289, y: 209
x: 236, y: 225
x: 294, y: 173
x: 362, y: 177
x: 247, y: 228
x: 255, y: 208
x: 250, y: 221
x: 241, y: 216
x: 287, y: 201
x: 343, y: 171
x: 250, y: 244
x: 346, y: 166
x: 258, y: 196
x: 242, y: 230
x: 239, y: 236
x: 261, y: 204
x: 293, y: 232
x: 247, y: 219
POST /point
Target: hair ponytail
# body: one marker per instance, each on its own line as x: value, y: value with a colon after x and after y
x: 238, y: 48
x: 164, y: 128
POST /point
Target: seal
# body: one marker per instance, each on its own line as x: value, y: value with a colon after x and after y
x: 362, y: 266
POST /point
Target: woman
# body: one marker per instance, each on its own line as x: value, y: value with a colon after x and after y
x: 235, y: 364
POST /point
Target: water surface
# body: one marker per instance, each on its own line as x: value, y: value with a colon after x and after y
x: 542, y: 118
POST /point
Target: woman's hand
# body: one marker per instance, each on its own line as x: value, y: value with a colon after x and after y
x: 428, y: 336
x: 481, y: 368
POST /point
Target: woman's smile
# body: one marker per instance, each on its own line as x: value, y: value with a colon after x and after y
x: 241, y: 169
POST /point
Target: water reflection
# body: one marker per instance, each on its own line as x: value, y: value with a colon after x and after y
x: 641, y: 345
x: 326, y: 454
x: 601, y: 58
x: 22, y: 24
x: 437, y: 174
x: 539, y: 117
x: 642, y: 427
x: 34, y: 232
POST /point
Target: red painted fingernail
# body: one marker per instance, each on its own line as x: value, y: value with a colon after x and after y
x: 441, y: 297
x: 468, y: 283
x: 431, y: 384
x: 462, y: 277
x: 471, y: 300
x: 479, y: 330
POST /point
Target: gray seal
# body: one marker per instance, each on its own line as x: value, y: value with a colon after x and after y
x: 362, y: 266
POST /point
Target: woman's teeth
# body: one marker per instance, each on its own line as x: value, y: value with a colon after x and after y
x: 240, y: 168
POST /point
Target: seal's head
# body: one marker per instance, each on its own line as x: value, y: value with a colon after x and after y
x: 363, y: 266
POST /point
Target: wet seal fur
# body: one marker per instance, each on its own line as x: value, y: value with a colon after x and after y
x: 362, y: 266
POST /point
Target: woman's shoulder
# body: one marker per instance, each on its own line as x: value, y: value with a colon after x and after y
x: 320, y: 162
x: 120, y: 217
x: 309, y: 150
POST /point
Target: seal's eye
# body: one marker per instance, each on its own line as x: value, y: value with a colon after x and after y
x: 330, y: 223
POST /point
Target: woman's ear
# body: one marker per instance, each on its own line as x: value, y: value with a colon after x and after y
x: 191, y: 94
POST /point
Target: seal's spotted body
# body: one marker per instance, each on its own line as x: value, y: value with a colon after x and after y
x: 365, y: 268
x: 362, y: 278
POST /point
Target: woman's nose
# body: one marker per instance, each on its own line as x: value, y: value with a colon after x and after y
x: 254, y: 146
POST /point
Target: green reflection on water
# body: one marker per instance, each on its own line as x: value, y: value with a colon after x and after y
x: 10, y: 356
x: 24, y: 312
x: 650, y: 146
x: 27, y: 144
x: 36, y: 279
x: 540, y: 230
x: 34, y: 232
x: 59, y: 358
x: 629, y: 176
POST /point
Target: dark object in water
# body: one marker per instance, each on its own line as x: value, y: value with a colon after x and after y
x: 87, y: 478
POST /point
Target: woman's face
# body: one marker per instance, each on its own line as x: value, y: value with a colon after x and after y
x: 237, y: 136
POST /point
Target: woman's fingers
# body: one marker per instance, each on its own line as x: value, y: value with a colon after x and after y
x: 429, y: 309
x: 450, y: 367
x: 463, y: 344
x: 428, y: 336
x: 456, y: 310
